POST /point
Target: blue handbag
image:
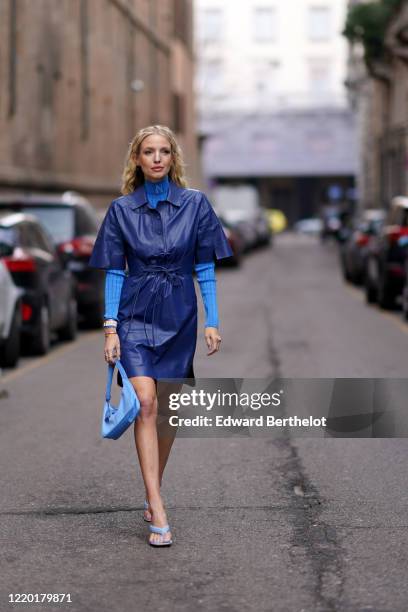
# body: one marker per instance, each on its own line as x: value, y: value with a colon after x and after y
x: 116, y: 419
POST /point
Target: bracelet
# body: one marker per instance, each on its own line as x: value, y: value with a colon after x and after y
x: 110, y: 323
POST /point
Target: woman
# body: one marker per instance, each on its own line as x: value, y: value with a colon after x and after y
x: 163, y: 231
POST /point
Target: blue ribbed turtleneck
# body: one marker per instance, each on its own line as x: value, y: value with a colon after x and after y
x: 157, y: 191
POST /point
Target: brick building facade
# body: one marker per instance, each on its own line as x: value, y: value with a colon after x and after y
x: 79, y: 77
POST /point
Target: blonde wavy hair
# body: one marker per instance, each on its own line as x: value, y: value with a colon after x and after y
x: 133, y: 176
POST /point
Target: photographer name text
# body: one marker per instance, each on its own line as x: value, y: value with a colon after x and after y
x: 261, y: 421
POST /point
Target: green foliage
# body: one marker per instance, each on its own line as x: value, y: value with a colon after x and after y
x: 367, y: 23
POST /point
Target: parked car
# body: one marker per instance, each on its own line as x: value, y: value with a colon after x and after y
x: 239, y: 207
x: 48, y: 300
x: 385, y: 270
x: 403, y: 241
x: 72, y: 224
x: 236, y: 242
x: 245, y: 229
x: 10, y: 312
x: 355, y: 243
x: 331, y: 221
x: 311, y: 225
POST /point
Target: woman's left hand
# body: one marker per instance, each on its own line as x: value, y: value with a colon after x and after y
x: 213, y: 339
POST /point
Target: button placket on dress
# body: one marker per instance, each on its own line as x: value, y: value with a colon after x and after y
x: 164, y: 275
x: 158, y: 229
x: 162, y: 231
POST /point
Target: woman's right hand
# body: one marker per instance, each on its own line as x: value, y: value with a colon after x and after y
x: 112, y: 348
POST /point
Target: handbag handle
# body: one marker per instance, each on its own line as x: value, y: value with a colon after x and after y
x: 111, y: 369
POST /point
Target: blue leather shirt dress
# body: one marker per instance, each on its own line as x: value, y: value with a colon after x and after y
x: 157, y: 316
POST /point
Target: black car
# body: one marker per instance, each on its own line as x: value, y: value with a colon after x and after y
x: 385, y: 270
x: 48, y: 299
x: 72, y: 223
x: 355, y: 243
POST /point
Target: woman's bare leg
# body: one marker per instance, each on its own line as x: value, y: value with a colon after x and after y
x: 166, y: 432
x: 147, y: 446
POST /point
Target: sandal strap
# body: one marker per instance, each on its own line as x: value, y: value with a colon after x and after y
x: 161, y: 530
x: 146, y: 505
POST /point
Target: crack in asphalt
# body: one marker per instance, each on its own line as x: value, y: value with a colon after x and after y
x: 318, y: 540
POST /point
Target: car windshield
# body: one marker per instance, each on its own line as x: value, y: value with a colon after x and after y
x: 59, y: 221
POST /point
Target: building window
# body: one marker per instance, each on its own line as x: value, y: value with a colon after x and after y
x: 212, y: 25
x: 212, y: 77
x: 319, y: 74
x: 264, y: 24
x: 319, y: 23
x: 265, y: 73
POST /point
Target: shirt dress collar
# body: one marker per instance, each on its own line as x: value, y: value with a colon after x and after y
x: 139, y: 197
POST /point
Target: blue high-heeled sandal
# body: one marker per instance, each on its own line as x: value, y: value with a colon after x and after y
x: 146, y: 507
x: 161, y: 531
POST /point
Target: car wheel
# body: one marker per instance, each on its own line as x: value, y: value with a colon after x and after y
x: 346, y: 274
x: 386, y: 298
x: 70, y: 329
x: 405, y: 302
x: 10, y: 350
x: 40, y: 344
x: 358, y: 279
x: 370, y: 291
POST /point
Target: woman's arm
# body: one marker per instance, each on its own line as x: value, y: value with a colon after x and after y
x: 113, y: 288
x: 207, y: 281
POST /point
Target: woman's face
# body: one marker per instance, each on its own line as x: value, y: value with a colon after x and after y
x: 155, y: 157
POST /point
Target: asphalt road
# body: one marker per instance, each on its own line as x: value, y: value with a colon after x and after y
x: 286, y: 524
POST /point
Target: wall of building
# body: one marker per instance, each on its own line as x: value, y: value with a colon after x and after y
x: 68, y: 110
x: 382, y: 118
x: 270, y: 54
x: 272, y: 101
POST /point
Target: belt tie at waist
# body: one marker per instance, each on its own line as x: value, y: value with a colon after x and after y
x: 166, y: 277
